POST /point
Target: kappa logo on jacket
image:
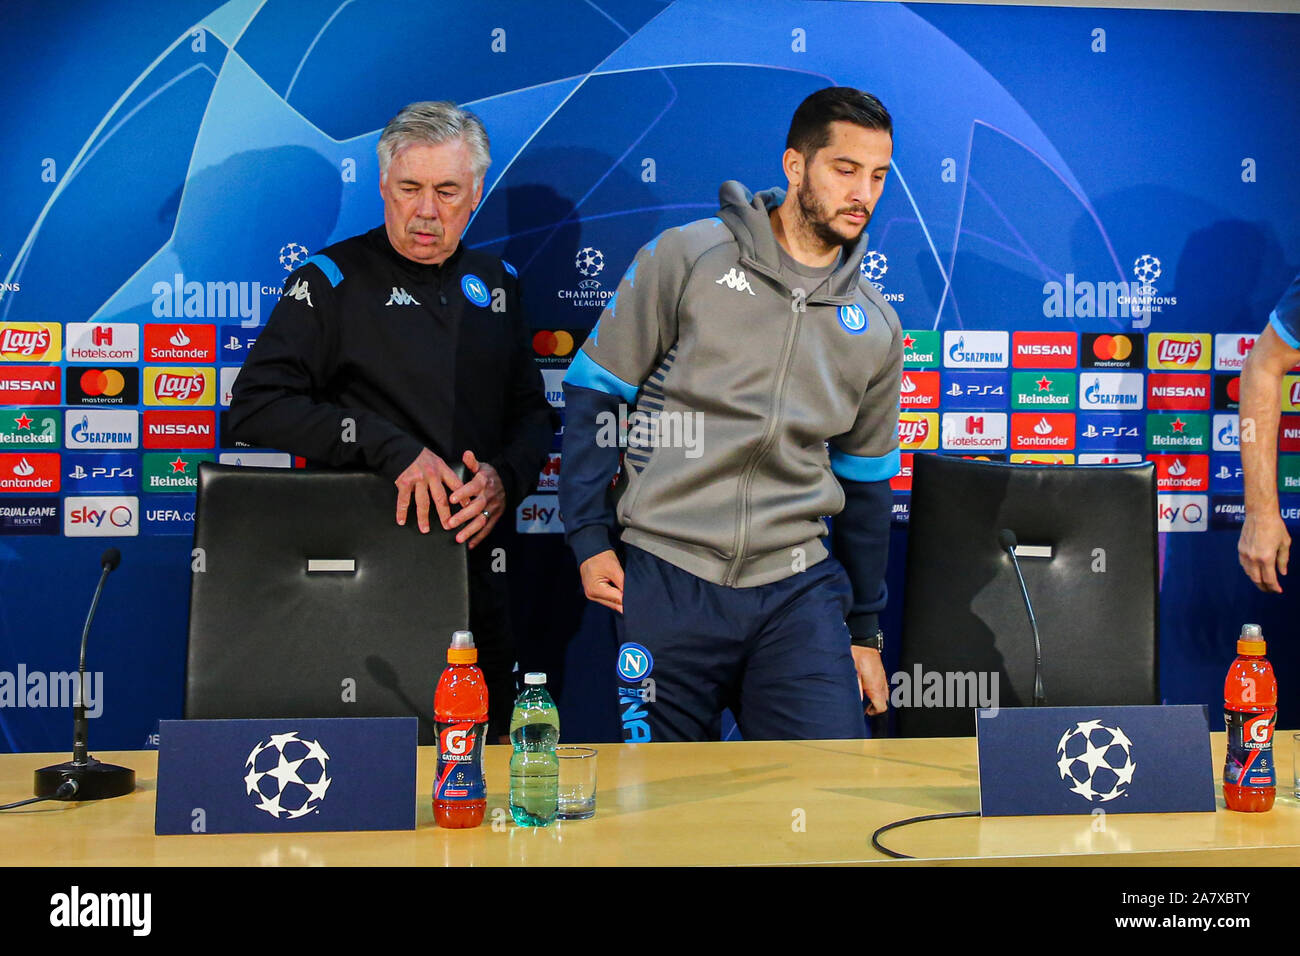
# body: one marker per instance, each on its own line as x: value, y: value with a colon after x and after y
x: 735, y: 279
x: 300, y: 292
x: 401, y: 297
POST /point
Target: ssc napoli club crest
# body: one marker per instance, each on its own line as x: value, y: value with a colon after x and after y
x: 475, y: 290
x: 853, y: 318
x: 634, y: 662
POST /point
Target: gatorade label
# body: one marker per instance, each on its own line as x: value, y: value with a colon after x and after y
x: 1250, y: 748
x: 460, y: 761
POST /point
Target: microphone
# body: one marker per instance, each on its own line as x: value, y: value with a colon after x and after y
x: 1007, y: 541
x: 84, y: 777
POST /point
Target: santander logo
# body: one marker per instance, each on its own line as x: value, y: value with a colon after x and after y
x: 180, y: 339
x: 23, y: 468
x: 908, y: 386
x: 1043, y: 427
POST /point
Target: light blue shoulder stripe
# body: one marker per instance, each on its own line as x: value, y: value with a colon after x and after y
x: 864, y: 467
x: 1282, y: 331
x: 585, y: 372
x: 326, y: 265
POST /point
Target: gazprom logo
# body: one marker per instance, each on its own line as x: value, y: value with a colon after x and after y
x: 475, y: 290
x: 634, y: 662
x: 853, y: 318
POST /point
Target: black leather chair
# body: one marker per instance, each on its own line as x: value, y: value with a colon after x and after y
x: 1094, y: 588
x: 308, y: 600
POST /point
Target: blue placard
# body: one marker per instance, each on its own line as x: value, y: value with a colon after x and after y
x: 1040, y: 760
x: 286, y: 776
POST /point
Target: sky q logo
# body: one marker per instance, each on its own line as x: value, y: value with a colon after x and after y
x: 179, y: 386
x: 1182, y: 392
x: 919, y: 390
x: 918, y: 431
x: 112, y: 343
x: 974, y: 431
x: 101, y: 517
x: 29, y: 472
x: 1183, y: 512
x: 30, y: 341
x: 180, y: 343
x: 29, y: 386
x: 1044, y: 349
x: 1179, y: 353
x: 180, y: 430
x: 539, y: 514
x: 966, y: 349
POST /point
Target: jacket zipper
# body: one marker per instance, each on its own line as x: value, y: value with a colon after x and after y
x: 769, y: 435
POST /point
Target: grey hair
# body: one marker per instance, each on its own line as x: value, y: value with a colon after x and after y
x: 429, y: 124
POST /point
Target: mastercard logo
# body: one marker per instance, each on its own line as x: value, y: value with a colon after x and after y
x: 108, y: 382
x: 553, y: 343
x: 1112, y: 348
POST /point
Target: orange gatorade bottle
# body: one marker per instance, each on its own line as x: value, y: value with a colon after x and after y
x: 460, y: 707
x: 1249, y: 711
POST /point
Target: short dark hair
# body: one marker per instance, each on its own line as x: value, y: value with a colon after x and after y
x: 810, y: 129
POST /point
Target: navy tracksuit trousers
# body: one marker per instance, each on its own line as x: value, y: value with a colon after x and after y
x: 777, y: 655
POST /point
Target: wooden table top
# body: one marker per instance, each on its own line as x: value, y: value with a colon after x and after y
x: 734, y: 803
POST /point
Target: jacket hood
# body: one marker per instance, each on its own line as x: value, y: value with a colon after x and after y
x: 746, y: 215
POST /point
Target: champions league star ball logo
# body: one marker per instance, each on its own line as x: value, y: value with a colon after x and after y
x: 1096, y: 761
x: 292, y: 256
x: 590, y: 262
x: 286, y: 776
x: 1146, y: 268
x: 874, y: 266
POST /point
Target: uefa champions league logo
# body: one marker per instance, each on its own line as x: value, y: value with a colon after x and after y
x: 287, y: 776
x: 293, y: 255
x: 1096, y: 761
x: 874, y: 266
x: 1146, y: 269
x: 590, y: 262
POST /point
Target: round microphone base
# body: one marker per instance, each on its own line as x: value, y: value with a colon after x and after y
x: 94, y: 780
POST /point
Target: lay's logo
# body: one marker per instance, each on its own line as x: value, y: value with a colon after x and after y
x: 1179, y: 352
x: 179, y: 386
x: 30, y: 342
x: 918, y: 430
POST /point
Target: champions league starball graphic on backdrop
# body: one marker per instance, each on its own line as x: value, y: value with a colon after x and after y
x: 1096, y: 761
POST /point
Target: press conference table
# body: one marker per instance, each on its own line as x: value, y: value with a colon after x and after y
x: 786, y: 802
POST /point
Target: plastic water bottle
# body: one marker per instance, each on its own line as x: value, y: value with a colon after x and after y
x: 534, y: 766
x: 460, y: 706
x: 1249, y: 712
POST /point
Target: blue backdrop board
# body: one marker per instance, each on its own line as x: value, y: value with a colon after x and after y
x: 1100, y: 200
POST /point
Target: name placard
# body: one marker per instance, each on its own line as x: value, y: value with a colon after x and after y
x: 286, y: 775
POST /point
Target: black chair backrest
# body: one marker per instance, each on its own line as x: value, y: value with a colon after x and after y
x: 1096, y: 598
x: 274, y: 633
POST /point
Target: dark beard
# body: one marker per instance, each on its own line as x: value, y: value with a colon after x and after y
x: 816, y: 220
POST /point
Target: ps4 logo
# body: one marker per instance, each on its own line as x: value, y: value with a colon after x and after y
x: 957, y: 390
x: 1111, y: 431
